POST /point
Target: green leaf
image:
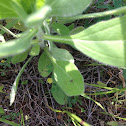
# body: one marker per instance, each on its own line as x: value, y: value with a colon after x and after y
x: 60, y: 29
x: 19, y: 25
x: 40, y: 3
x: 68, y: 78
x: 9, y: 122
x: 1, y: 88
x: 57, y: 8
x: 28, y: 5
x: 35, y: 50
x: 17, y: 46
x: 124, y: 73
x: 104, y: 41
x: 66, y: 74
x: 117, y: 11
x: 17, y: 7
x: 6, y: 9
x: 76, y: 30
x: 9, y: 24
x: 62, y: 54
x: 38, y: 17
x: 44, y: 65
x: 58, y: 94
x: 67, y: 8
x: 117, y: 3
x: 62, y: 21
x: 2, y: 111
x: 71, y: 27
x: 20, y: 57
x: 15, y: 84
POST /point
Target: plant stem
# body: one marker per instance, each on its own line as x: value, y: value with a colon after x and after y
x: 39, y: 37
x: 8, y: 31
x: 95, y: 15
x: 48, y: 33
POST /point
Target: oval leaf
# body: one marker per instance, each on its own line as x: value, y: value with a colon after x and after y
x: 62, y: 54
x: 35, y: 50
x: 60, y: 29
x: 57, y: 8
x: 66, y: 74
x: 67, y: 8
x: 76, y: 30
x: 58, y: 94
x: 37, y: 17
x: 20, y: 57
x: 17, y: 46
x: 6, y: 9
x: 17, y: 7
x: 28, y: 5
x: 104, y: 41
x: 68, y: 77
x: 44, y: 65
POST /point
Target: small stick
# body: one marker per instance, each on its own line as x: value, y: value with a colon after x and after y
x: 123, y: 82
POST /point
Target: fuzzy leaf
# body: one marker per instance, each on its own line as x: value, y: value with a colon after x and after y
x: 67, y: 8
x: 28, y: 5
x: 17, y: 7
x: 20, y: 57
x: 6, y: 9
x: 62, y: 54
x: 58, y: 94
x: 68, y: 78
x: 104, y: 41
x: 35, y: 50
x: 15, y: 84
x: 37, y: 17
x: 76, y: 30
x: 40, y: 3
x: 16, y: 24
x: 57, y: 8
x: 44, y: 65
x: 66, y: 74
x: 60, y: 28
x: 17, y: 46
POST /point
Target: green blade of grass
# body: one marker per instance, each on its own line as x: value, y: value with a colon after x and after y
x: 9, y: 122
x: 108, y: 88
x: 85, y: 95
x: 113, y: 115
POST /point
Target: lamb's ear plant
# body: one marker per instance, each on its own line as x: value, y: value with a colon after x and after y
x: 39, y: 19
